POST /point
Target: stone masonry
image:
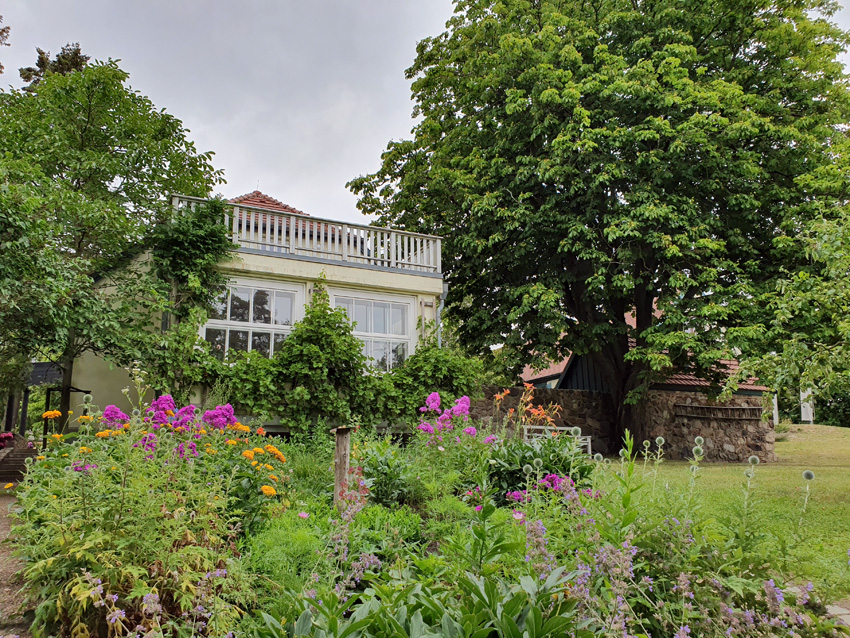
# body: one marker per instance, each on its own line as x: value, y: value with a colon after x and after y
x: 733, y: 430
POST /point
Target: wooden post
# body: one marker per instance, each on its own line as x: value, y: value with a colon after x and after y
x: 22, y: 429
x: 341, y: 461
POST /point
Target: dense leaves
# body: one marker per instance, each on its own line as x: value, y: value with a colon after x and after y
x: 610, y: 173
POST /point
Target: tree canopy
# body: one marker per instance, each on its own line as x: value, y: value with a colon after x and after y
x: 4, y: 36
x: 617, y: 178
x: 86, y: 167
x: 68, y: 60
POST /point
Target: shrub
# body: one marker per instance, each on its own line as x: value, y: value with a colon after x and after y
x: 132, y: 521
x: 517, y: 463
x: 387, y: 473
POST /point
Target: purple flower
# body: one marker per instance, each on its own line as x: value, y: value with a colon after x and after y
x: 113, y: 416
x: 489, y: 439
x: 303, y: 515
x: 220, y: 417
x: 426, y: 427
x: 162, y: 404
x: 114, y: 616
x: 471, y: 431
x: 432, y: 403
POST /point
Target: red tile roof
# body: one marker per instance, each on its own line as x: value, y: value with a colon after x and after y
x: 261, y: 200
x: 529, y: 374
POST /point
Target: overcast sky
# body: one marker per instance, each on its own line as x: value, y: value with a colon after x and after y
x: 295, y: 97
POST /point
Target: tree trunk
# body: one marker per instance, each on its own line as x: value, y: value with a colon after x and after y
x: 66, y: 385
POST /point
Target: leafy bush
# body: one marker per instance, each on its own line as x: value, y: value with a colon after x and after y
x: 517, y: 463
x: 132, y: 521
x: 387, y: 473
x: 386, y: 532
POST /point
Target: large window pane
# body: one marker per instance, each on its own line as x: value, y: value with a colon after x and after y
x: 367, y: 348
x: 219, y: 306
x: 398, y: 314
x: 283, y: 308
x: 278, y: 341
x: 399, y: 355
x: 380, y: 353
x: 345, y: 303
x: 261, y: 342
x: 218, y: 341
x: 262, y: 312
x: 380, y: 317
x: 240, y: 303
x: 238, y: 340
x: 362, y: 310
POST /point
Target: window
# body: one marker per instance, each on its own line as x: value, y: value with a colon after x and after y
x: 252, y: 316
x: 382, y: 325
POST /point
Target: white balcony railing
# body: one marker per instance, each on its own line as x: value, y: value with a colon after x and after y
x: 287, y: 234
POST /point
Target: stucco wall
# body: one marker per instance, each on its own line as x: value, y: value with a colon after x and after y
x: 729, y: 435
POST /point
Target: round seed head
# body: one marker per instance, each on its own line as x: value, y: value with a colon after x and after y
x: 575, y: 431
x: 527, y: 468
x: 698, y: 451
x: 597, y: 457
x: 659, y: 441
x: 808, y: 475
x: 622, y: 454
x: 607, y: 461
x: 646, y: 444
x: 538, y: 463
x: 699, y: 440
x: 753, y: 460
x: 136, y: 412
x: 87, y: 398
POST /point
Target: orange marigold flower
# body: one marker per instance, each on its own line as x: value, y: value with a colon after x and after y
x: 268, y: 490
x: 9, y: 485
x: 85, y: 450
x: 273, y: 477
x: 209, y: 450
x: 51, y: 414
x: 261, y: 431
x: 231, y: 442
x: 85, y: 418
x: 248, y: 454
x: 254, y: 464
x: 40, y: 458
x: 102, y: 434
x: 259, y: 450
x: 268, y: 467
x: 170, y: 412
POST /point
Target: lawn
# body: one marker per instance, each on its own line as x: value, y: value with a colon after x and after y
x: 819, y: 548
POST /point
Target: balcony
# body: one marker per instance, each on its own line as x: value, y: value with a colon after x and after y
x: 303, y: 237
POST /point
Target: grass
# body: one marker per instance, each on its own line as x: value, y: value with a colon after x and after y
x: 819, y: 547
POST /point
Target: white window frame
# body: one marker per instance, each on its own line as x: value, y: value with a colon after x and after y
x: 299, y: 290
x: 410, y: 338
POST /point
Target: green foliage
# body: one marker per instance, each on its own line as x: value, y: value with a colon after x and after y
x: 68, y: 60
x: 86, y: 165
x: 445, y: 370
x: 138, y: 510
x: 187, y: 250
x: 549, y: 455
x: 834, y: 411
x: 386, y: 532
x: 603, y: 172
x: 388, y: 473
x: 322, y: 366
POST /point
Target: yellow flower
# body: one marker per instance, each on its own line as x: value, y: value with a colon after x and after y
x: 9, y: 485
x: 112, y: 468
x: 268, y: 467
x: 51, y: 414
x: 254, y: 464
x: 85, y: 450
x: 273, y: 477
x: 103, y: 434
x: 231, y: 442
x: 209, y: 450
x: 64, y: 455
x: 53, y: 495
x: 268, y: 490
x: 40, y: 458
x: 259, y: 450
x: 248, y: 454
x: 84, y: 418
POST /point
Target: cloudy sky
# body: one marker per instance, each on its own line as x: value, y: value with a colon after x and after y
x: 295, y: 97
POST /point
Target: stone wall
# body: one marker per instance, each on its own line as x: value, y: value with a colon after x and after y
x: 730, y: 434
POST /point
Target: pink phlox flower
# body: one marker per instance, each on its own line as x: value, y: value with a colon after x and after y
x: 518, y: 516
x: 163, y: 403
x: 478, y: 508
x: 461, y: 407
x: 303, y: 515
x: 112, y: 415
x: 432, y: 403
x: 441, y: 448
x: 471, y: 431
x: 185, y: 417
x: 220, y: 417
x: 489, y: 439
x: 426, y: 427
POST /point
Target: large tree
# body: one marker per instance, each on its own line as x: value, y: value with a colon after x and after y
x: 615, y: 178
x: 86, y: 167
x: 4, y: 36
x: 68, y: 60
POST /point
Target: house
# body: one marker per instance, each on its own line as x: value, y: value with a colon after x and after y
x: 389, y: 281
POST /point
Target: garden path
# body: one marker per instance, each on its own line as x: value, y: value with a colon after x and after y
x: 11, y: 622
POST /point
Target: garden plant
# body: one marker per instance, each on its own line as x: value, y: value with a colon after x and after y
x: 181, y: 521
